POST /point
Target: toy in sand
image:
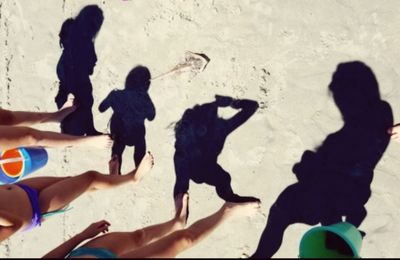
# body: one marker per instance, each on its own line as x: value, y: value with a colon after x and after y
x: 193, y: 63
x: 20, y: 162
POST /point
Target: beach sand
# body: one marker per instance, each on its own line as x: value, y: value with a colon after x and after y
x: 279, y: 53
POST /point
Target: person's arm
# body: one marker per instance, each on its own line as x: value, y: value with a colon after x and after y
x: 248, y: 108
x: 152, y: 111
x: 64, y: 249
x: 106, y: 103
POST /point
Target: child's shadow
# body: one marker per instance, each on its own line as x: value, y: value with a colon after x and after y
x: 334, y: 181
x: 131, y: 106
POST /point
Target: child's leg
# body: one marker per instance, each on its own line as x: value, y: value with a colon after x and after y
x: 24, y: 118
x: 123, y: 242
x: 177, y: 242
x: 60, y: 194
x: 11, y: 137
x: 87, y: 114
x: 140, y: 150
x: 117, y: 150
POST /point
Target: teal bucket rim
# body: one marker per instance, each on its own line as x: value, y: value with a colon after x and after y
x: 331, y: 229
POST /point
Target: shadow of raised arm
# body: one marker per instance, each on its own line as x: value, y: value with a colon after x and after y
x: 247, y: 109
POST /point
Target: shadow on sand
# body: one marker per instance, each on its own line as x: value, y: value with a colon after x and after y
x: 76, y: 64
x: 131, y: 106
x: 334, y: 181
x: 200, y: 138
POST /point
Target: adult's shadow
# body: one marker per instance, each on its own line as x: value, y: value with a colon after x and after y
x: 200, y: 137
x: 334, y: 181
x: 131, y: 106
x: 76, y: 64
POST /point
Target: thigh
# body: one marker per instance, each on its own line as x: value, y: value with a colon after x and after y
x: 16, y: 136
x: 63, y: 192
x: 299, y: 203
x: 117, y: 242
x: 118, y: 148
x: 213, y: 174
x: 6, y: 117
x: 167, y: 247
x: 40, y: 183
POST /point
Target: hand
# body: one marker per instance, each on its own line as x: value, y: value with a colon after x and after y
x: 95, y: 229
x: 236, y: 104
x: 223, y: 101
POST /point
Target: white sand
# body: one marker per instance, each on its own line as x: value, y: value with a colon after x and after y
x: 280, y: 53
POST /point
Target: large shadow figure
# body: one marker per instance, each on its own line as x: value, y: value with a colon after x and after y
x: 131, y: 106
x: 76, y: 64
x: 200, y: 138
x: 335, y: 180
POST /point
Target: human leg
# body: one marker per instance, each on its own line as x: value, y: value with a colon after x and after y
x: 117, y: 150
x: 39, y: 183
x: 221, y: 179
x: 179, y: 241
x: 16, y: 136
x: 25, y: 118
x: 182, y: 172
x: 296, y: 204
x: 140, y: 150
x: 121, y: 243
x: 60, y: 194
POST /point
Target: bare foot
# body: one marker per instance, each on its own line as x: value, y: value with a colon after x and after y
x: 113, y: 165
x: 65, y: 110
x: 145, y: 165
x: 394, y: 133
x: 242, y: 208
x: 100, y: 141
x: 182, y: 209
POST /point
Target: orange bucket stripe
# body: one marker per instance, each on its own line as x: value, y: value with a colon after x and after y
x: 12, y: 169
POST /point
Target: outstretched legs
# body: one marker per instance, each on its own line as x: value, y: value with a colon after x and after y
x: 61, y: 193
x: 121, y: 243
x: 179, y: 241
x: 24, y: 118
x: 11, y: 137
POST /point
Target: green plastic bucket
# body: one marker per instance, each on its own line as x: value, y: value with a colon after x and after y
x: 341, y: 240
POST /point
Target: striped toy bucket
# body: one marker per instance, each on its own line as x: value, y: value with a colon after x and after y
x: 20, y: 162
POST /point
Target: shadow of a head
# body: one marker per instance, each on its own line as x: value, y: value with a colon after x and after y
x: 197, y: 123
x: 138, y: 79
x: 354, y: 88
x: 89, y: 21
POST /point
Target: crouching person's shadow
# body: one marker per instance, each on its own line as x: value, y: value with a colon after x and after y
x: 334, y: 181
